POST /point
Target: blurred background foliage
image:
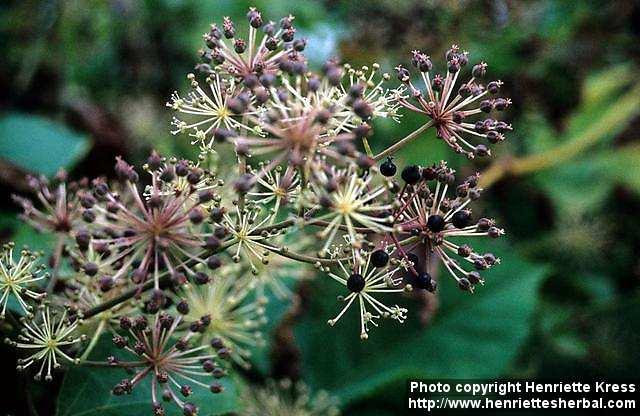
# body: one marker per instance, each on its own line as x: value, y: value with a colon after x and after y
x: 85, y: 80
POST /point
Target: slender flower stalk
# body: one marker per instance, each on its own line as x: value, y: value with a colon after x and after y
x: 350, y: 200
x: 225, y: 310
x: 449, y: 107
x: 279, y: 274
x: 45, y: 337
x: 17, y: 278
x: 364, y: 281
x: 436, y: 222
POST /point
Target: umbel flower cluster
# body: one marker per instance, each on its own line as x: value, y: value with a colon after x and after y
x: 174, y: 260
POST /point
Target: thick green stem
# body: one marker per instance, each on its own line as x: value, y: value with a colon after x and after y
x: 403, y: 142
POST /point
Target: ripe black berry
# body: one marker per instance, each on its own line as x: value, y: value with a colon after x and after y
x: 424, y: 281
x: 379, y: 258
x: 355, y: 282
x: 461, y: 219
x: 388, y: 168
x: 435, y: 223
x: 411, y: 174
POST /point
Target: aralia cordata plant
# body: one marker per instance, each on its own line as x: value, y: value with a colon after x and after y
x: 175, y: 260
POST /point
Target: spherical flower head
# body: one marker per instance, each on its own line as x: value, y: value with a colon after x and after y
x: 172, y: 366
x: 45, y: 338
x: 207, y: 112
x: 18, y: 278
x: 284, y: 397
x: 245, y: 226
x: 225, y: 309
x: 342, y: 96
x: 348, y: 200
x: 59, y: 204
x: 454, y: 108
x: 431, y: 223
x: 267, y: 48
x: 364, y: 281
x: 277, y: 187
x: 297, y: 130
x: 155, y: 232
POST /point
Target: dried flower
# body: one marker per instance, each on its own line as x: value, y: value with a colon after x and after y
x: 297, y: 131
x: 60, y: 204
x: 448, y: 109
x: 17, y: 278
x: 154, y: 234
x: 45, y: 337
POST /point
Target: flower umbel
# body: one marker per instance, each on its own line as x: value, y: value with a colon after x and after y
x: 45, y: 337
x: 208, y: 111
x: 60, y: 204
x: 172, y: 366
x: 17, y: 278
x: 450, y: 110
x: 155, y: 234
x: 225, y: 309
x: 433, y: 221
x: 259, y: 54
x: 364, y: 281
x: 351, y: 201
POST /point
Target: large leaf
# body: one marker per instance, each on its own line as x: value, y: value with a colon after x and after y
x: 274, y: 311
x: 597, y: 173
x: 39, y: 145
x: 86, y: 391
x: 471, y: 336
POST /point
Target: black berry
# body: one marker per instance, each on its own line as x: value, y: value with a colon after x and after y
x: 424, y: 281
x: 411, y: 174
x: 355, y: 282
x: 388, y: 168
x: 461, y: 219
x: 379, y: 258
x: 435, y: 223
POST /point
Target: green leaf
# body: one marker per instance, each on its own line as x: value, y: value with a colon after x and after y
x: 86, y: 391
x: 598, y: 173
x: 471, y: 335
x: 39, y: 145
x: 274, y: 311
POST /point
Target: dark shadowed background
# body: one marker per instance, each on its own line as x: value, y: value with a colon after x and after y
x: 84, y: 81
